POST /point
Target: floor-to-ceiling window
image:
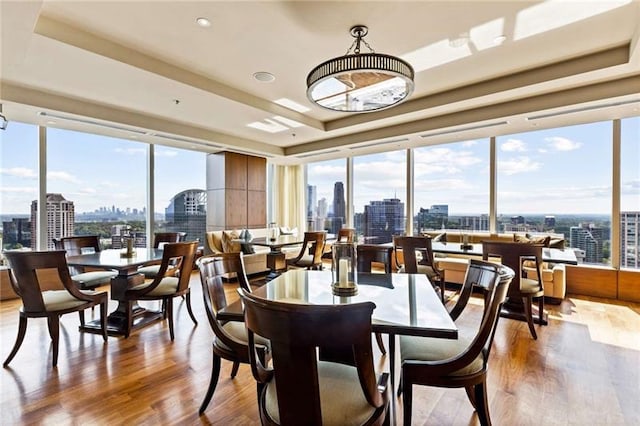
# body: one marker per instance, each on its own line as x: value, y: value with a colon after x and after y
x: 558, y: 181
x: 379, y: 196
x: 180, y: 192
x: 96, y: 185
x: 326, y: 195
x: 630, y: 193
x: 451, y: 186
x: 18, y: 184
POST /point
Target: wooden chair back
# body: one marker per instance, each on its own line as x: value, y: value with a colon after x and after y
x: 313, y: 244
x: 227, y: 264
x: 372, y: 253
x: 479, y: 274
x: 410, y: 246
x: 346, y: 235
x: 177, y: 260
x: 215, y: 299
x: 78, y: 245
x: 296, y: 332
x: 167, y: 237
x: 26, y: 269
x: 513, y: 254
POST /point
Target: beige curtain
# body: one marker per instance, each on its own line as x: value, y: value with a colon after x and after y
x: 289, y: 205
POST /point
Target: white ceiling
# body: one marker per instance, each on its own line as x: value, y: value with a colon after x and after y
x: 126, y: 62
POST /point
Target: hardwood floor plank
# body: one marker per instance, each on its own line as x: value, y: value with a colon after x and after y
x: 583, y: 369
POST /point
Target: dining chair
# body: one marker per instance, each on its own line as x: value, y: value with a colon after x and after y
x: 525, y: 287
x: 159, y: 240
x: 26, y: 276
x: 172, y: 281
x: 310, y: 255
x: 230, y: 338
x: 84, y: 244
x: 457, y: 363
x: 410, y: 247
x: 366, y: 256
x: 345, y: 235
x: 297, y: 387
x: 231, y: 266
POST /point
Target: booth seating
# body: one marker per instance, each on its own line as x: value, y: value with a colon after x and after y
x: 255, y: 257
x: 455, y: 265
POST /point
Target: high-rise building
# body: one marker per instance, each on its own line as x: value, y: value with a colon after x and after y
x: 435, y: 217
x: 382, y: 220
x: 590, y: 239
x: 312, y: 201
x: 16, y: 233
x: 549, y: 222
x: 629, y: 239
x: 60, y: 219
x: 474, y: 223
x: 187, y: 212
x: 339, y: 208
x: 339, y: 204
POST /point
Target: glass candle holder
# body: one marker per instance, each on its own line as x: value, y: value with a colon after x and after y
x: 343, y: 264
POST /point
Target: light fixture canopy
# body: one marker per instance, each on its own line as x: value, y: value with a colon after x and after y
x: 360, y: 82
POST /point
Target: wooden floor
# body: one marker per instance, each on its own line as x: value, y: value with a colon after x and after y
x: 583, y: 370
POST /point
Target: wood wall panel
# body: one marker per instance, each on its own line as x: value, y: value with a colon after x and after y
x: 235, y: 170
x: 236, y: 208
x: 256, y: 174
x: 257, y: 209
x: 592, y: 281
x: 629, y: 285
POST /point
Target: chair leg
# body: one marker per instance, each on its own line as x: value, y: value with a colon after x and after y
x: 406, y: 402
x: 380, y: 343
x: 103, y: 319
x: 213, y: 382
x: 129, y: 314
x: 53, y: 321
x: 234, y: 369
x: 540, y: 310
x: 482, y: 404
x: 170, y: 316
x: 471, y: 395
x: 22, y: 329
x: 527, y: 311
x: 81, y: 315
x: 188, y: 300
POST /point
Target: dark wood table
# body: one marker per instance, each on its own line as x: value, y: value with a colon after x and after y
x: 554, y: 255
x: 276, y: 259
x: 127, y: 277
x: 406, y: 304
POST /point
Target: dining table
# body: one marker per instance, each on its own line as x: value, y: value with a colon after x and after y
x: 128, y: 276
x: 406, y: 304
x: 276, y: 258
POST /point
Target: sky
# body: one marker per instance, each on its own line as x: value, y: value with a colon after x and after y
x: 556, y: 171
x: 91, y: 170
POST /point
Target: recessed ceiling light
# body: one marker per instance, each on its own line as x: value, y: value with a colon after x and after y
x: 264, y: 77
x: 203, y: 22
x: 499, y: 39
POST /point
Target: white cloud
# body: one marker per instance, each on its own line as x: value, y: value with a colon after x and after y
x: 108, y: 184
x: 18, y: 189
x: 467, y: 144
x: 444, y: 161
x: 562, y: 144
x: 518, y: 165
x: 87, y: 191
x: 62, y: 176
x: 21, y: 172
x: 513, y: 145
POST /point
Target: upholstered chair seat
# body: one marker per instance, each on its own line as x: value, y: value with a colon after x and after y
x: 433, y: 349
x: 167, y: 286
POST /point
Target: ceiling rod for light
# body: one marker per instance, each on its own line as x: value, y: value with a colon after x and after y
x: 581, y: 109
x: 92, y: 123
x: 463, y: 129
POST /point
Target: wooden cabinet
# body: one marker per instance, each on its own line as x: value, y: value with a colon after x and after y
x: 236, y: 191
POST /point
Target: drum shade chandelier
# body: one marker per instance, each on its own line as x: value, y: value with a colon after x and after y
x: 360, y: 82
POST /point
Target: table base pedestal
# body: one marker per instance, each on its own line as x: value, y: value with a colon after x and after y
x: 117, y: 321
x: 514, y: 309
